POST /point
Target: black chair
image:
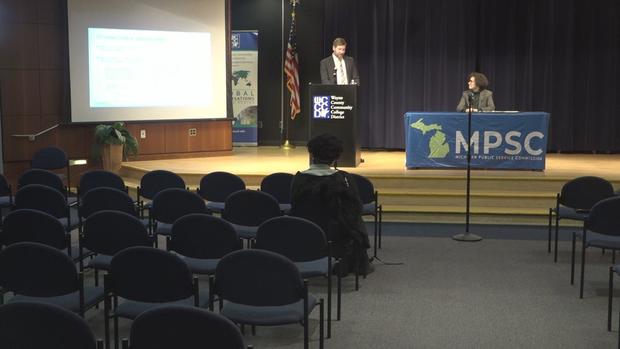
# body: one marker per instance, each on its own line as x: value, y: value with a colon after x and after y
x: 52, y: 158
x: 279, y: 186
x: 145, y: 278
x: 155, y: 181
x: 248, y: 209
x: 215, y: 187
x: 47, y: 199
x: 108, y: 232
x: 6, y: 196
x: 172, y: 204
x: 304, y: 243
x: 263, y: 288
x: 370, y: 206
x: 100, y: 179
x: 202, y: 240
x: 37, y: 272
x: 574, y: 201
x: 183, y: 327
x: 45, y: 177
x: 27, y: 225
x: 105, y: 198
x: 31, y: 325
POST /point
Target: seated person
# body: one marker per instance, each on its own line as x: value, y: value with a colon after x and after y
x: 330, y: 198
x: 481, y: 98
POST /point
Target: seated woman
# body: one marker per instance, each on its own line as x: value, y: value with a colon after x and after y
x: 477, y: 94
x: 329, y: 197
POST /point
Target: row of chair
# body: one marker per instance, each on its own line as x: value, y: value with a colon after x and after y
x: 592, y: 201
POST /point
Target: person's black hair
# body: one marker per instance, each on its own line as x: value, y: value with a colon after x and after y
x: 481, y: 80
x: 325, y: 148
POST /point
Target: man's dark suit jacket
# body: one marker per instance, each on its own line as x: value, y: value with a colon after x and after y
x: 328, y: 68
x: 485, y: 102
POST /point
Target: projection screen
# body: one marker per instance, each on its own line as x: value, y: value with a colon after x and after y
x: 133, y: 60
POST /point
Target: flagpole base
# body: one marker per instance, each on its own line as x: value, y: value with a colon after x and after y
x: 287, y: 145
x: 467, y: 237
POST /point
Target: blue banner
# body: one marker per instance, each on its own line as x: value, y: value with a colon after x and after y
x: 245, y: 87
x: 498, y: 140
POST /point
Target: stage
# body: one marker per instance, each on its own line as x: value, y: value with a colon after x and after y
x: 412, y: 195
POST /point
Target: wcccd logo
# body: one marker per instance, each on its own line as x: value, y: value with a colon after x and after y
x: 321, y: 107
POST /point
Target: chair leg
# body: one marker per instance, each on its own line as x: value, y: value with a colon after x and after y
x: 329, y: 305
x: 583, y: 265
x: 613, y: 257
x: 321, y: 324
x: 557, y: 225
x: 376, y: 233
x: 106, y: 320
x: 572, y: 261
x: 610, y: 294
x: 253, y: 330
x: 339, y: 296
x: 380, y: 225
x: 115, y: 331
x: 549, y: 233
x: 96, y: 277
x: 357, y: 272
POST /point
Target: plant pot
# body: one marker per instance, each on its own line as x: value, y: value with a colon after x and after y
x: 112, y: 157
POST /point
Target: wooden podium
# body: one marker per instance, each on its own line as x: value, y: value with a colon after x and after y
x: 333, y: 109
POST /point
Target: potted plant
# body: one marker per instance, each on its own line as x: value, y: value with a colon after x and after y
x: 113, y: 144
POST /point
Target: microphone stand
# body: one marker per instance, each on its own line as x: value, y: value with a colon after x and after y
x: 467, y: 236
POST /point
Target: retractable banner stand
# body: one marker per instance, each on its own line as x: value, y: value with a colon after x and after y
x: 245, y: 86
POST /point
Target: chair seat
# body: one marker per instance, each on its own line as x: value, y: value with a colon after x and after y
x: 602, y: 241
x: 163, y: 228
x: 245, y: 231
x: 285, y: 208
x: 368, y: 209
x: 314, y: 268
x: 131, y: 309
x: 201, y: 266
x: 5, y: 201
x: 267, y: 315
x: 100, y: 261
x: 216, y: 206
x: 71, y: 301
x: 571, y: 213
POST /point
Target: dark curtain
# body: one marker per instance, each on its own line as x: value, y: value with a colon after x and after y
x: 414, y: 55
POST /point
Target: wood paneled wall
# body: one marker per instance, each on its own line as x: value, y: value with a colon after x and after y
x: 34, y: 95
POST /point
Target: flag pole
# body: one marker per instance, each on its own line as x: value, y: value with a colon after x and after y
x: 291, y: 69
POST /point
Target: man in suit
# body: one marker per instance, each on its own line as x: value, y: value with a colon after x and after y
x: 338, y: 69
x: 480, y: 98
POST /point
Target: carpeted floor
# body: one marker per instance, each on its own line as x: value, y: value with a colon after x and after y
x: 497, y: 293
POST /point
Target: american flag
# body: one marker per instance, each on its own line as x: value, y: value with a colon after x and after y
x: 291, y: 66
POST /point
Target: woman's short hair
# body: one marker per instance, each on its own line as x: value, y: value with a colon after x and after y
x: 481, y: 80
x: 325, y: 148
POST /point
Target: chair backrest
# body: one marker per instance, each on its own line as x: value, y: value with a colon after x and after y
x: 147, y: 274
x: 278, y: 185
x: 217, y: 186
x: 40, y: 325
x: 37, y: 270
x: 200, y: 235
x: 5, y: 188
x: 108, y: 232
x: 604, y: 217
x: 250, y: 207
x: 155, y: 181
x: 174, y: 203
x: 50, y: 158
x: 103, y: 198
x: 296, y: 238
x: 584, y: 192
x: 365, y: 188
x: 100, y: 178
x: 184, y: 327
x: 27, y: 225
x: 42, y: 198
x: 40, y: 176
x: 259, y: 278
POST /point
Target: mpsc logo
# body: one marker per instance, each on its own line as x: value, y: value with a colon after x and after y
x: 236, y: 40
x: 321, y: 107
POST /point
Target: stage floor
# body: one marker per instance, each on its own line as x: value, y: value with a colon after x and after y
x: 265, y: 160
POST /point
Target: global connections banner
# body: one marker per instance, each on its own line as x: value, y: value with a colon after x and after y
x: 245, y: 86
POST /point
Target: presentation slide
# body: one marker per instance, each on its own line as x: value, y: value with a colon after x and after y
x: 147, y: 60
